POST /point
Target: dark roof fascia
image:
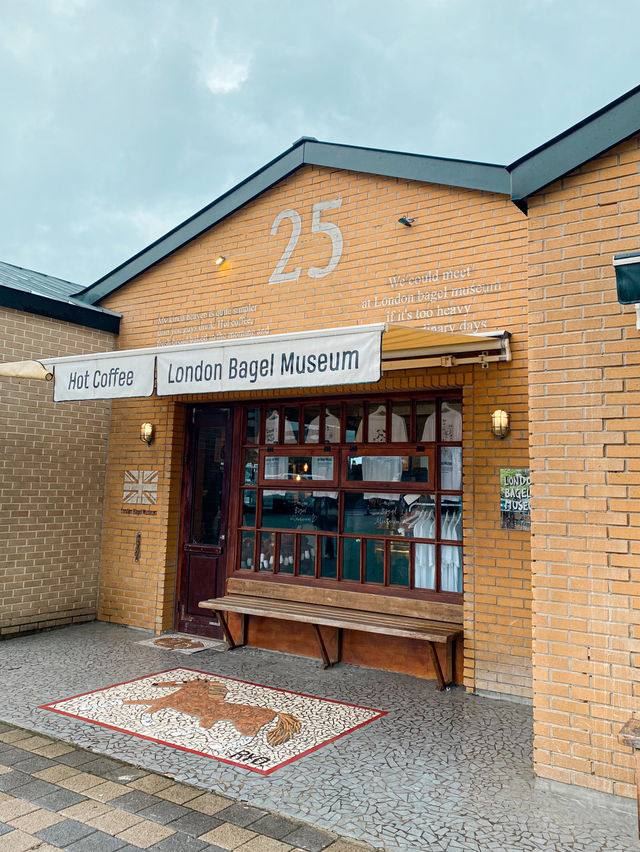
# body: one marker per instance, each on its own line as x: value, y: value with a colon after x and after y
x: 306, y: 151
x: 468, y: 174
x: 577, y: 145
x: 45, y: 306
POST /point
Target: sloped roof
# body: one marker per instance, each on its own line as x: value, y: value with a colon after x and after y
x: 45, y: 295
x: 523, y: 178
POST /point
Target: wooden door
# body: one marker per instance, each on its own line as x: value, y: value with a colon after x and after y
x: 205, y: 515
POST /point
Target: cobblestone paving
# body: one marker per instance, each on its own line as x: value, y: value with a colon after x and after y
x: 442, y: 771
x: 56, y: 796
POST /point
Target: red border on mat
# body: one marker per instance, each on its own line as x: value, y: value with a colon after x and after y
x: 379, y: 715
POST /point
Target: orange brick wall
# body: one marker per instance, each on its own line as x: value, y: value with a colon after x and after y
x: 51, y: 482
x: 585, y: 447
x: 185, y: 297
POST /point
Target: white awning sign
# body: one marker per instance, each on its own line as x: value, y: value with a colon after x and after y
x: 305, y: 361
x: 105, y: 377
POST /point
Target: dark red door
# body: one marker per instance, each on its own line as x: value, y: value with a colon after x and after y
x: 205, y: 512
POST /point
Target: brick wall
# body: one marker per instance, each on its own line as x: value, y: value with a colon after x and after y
x: 585, y: 449
x: 51, y: 482
x: 480, y: 237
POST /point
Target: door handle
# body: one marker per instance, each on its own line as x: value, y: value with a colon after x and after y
x: 223, y: 538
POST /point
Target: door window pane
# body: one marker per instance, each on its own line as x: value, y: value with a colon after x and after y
x: 208, y: 469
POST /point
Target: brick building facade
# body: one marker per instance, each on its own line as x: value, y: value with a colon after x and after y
x: 326, y: 237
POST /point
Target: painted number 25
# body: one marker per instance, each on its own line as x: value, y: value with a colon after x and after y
x: 279, y: 276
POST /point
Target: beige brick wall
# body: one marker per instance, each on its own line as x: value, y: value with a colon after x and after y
x: 51, y: 482
x: 455, y: 229
x: 585, y: 449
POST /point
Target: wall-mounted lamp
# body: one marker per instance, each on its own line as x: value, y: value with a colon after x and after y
x: 500, y: 423
x: 147, y: 433
x: 406, y: 220
x: 220, y: 259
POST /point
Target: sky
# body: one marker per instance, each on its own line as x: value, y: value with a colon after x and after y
x: 121, y: 118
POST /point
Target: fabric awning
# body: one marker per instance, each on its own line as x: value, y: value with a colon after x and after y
x: 324, y: 357
x: 26, y: 370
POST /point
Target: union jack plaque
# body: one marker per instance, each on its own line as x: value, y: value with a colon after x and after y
x: 140, y: 486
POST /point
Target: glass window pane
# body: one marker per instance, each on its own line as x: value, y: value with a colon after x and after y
x: 351, y: 559
x: 450, y: 568
x: 451, y: 421
x: 451, y: 468
x: 307, y: 556
x: 253, y: 426
x: 271, y: 426
x: 299, y: 510
x: 249, y: 507
x: 208, y: 465
x: 371, y: 514
x: 399, y: 563
x: 247, y: 547
x: 291, y: 417
x: 311, y: 424
x: 332, y: 424
x: 426, y: 421
x: 328, y: 557
x: 401, y: 421
x: 285, y: 558
x: 376, y: 425
x: 451, y: 518
x: 251, y: 467
x: 267, y: 547
x: 374, y: 570
x: 424, y: 566
x: 417, y: 516
x: 370, y: 468
x: 353, y: 421
x: 299, y: 468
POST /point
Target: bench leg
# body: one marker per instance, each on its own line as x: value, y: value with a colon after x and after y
x: 225, y: 629
x: 326, y: 662
x: 437, y: 666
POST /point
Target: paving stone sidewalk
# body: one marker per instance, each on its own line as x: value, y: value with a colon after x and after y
x: 56, y: 796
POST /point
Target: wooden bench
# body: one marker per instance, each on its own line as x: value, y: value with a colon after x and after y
x: 431, y: 622
x: 630, y: 736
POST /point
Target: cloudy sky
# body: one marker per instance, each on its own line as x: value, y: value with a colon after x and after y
x: 120, y: 118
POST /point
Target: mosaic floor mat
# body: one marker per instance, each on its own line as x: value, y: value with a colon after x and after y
x: 256, y: 727
x: 183, y: 644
